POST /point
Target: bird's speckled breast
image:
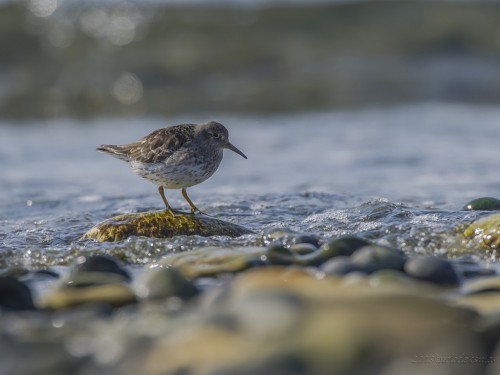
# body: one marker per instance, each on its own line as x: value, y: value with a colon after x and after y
x: 179, y: 170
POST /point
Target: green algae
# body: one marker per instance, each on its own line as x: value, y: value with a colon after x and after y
x: 486, y: 231
x: 162, y: 224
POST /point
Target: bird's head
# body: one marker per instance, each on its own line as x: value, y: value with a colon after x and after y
x: 217, y: 134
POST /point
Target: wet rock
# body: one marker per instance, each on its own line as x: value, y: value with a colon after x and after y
x: 63, y: 296
x: 269, y: 314
x: 213, y: 261
x: 482, y: 295
x: 98, y: 264
x: 15, y: 295
x: 485, y: 231
x: 303, y: 248
x: 392, y: 281
x: 432, y: 269
x: 345, y: 246
x: 481, y: 285
x: 162, y: 224
x: 15, y: 272
x: 278, y: 254
x: 469, y: 268
x: 95, y: 279
x: 482, y: 204
x: 375, y: 257
x: 342, y: 265
x: 164, y: 282
x: 307, y: 239
x: 286, y: 312
x: 47, y: 273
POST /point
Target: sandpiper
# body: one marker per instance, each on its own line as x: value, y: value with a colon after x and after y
x: 176, y: 157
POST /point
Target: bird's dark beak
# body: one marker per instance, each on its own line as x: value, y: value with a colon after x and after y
x: 232, y: 148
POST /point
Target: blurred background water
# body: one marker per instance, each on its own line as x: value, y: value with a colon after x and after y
x: 160, y: 58
x: 376, y: 118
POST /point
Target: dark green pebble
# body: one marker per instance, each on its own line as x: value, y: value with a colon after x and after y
x: 278, y: 254
x: 375, y: 257
x: 303, y: 248
x: 98, y: 263
x: 341, y: 266
x: 483, y: 204
x: 432, y: 269
x: 343, y: 246
x: 307, y: 239
x: 15, y: 295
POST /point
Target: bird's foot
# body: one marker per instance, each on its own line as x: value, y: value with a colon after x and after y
x: 173, y: 212
x: 195, y: 210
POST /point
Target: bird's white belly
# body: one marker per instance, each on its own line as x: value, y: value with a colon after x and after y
x: 173, y: 176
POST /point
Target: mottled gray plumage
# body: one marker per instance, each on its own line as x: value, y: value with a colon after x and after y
x: 176, y: 157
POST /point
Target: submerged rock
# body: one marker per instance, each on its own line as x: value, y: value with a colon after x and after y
x: 162, y: 224
x: 485, y: 231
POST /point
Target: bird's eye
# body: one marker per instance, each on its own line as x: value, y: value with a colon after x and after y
x: 216, y: 135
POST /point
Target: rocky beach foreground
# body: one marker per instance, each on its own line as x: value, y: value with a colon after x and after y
x: 300, y: 305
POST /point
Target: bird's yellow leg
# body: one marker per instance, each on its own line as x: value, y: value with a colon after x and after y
x: 193, y: 207
x: 167, y: 206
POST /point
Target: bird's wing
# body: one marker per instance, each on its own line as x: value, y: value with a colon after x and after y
x: 160, y: 144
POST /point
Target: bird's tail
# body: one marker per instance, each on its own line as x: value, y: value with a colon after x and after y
x: 113, y: 150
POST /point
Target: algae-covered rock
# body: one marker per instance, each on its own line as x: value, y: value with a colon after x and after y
x: 486, y: 231
x: 162, y: 224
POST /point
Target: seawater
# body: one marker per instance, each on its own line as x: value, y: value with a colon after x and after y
x: 396, y: 175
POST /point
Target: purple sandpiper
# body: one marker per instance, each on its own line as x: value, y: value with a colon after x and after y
x: 176, y: 157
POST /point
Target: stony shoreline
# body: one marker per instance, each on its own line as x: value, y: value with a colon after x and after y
x: 296, y: 306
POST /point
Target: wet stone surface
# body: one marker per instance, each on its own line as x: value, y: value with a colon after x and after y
x: 485, y: 231
x: 483, y: 204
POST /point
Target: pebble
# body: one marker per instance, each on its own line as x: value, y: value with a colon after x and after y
x: 100, y: 264
x: 432, y: 269
x: 483, y: 204
x: 375, y: 257
x: 303, y: 248
x: 342, y: 265
x: 342, y: 246
x: 307, y: 255
x: 307, y: 239
x: 15, y: 295
x: 164, y: 282
x: 214, y: 261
